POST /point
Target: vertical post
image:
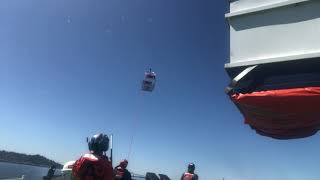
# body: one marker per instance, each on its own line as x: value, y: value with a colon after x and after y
x: 111, y: 148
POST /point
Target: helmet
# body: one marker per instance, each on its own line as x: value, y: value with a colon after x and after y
x: 98, y: 143
x: 124, y: 163
x: 191, y: 167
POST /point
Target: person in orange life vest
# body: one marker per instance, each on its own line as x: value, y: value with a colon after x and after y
x: 121, y: 172
x: 190, y: 175
x: 94, y: 165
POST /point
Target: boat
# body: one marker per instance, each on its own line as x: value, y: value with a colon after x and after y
x: 66, y: 174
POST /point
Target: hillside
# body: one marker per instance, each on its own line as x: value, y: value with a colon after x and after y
x: 35, y: 160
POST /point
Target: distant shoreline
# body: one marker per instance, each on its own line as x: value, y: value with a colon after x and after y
x: 26, y: 159
x: 23, y: 163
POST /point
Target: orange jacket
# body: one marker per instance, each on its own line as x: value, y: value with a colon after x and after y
x: 93, y: 167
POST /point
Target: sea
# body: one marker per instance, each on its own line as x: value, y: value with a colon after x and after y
x: 12, y: 170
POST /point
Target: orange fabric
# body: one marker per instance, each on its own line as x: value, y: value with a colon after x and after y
x: 282, y: 114
x: 90, y: 166
x: 187, y: 176
x: 119, y: 172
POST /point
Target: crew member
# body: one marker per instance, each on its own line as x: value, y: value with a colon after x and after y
x: 190, y: 175
x: 121, y: 172
x: 94, y: 165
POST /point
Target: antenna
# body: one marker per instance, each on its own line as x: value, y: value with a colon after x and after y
x: 111, y: 149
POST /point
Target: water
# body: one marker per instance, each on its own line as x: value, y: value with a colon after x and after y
x: 11, y: 170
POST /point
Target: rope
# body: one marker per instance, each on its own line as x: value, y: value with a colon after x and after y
x: 135, y: 124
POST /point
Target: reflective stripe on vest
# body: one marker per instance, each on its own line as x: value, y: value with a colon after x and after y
x: 187, y: 176
x: 91, y: 156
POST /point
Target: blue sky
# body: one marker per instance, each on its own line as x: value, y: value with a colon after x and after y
x: 71, y: 68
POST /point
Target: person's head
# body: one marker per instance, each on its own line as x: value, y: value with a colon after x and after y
x: 98, y: 144
x: 53, y: 167
x: 191, y: 168
x: 124, y: 163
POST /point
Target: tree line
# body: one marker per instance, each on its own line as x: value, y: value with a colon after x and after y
x: 20, y: 158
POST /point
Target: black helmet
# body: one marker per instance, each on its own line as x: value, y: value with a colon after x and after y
x: 191, y: 167
x: 98, y: 143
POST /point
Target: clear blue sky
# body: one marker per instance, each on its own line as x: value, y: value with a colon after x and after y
x: 71, y: 68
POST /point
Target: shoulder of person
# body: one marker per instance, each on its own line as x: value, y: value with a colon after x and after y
x: 196, y: 176
x: 127, y: 172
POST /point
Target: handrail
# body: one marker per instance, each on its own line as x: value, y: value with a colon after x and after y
x: 21, y: 178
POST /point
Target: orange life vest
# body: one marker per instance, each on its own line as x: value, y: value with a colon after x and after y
x: 93, y: 167
x: 119, y: 172
x: 187, y: 176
